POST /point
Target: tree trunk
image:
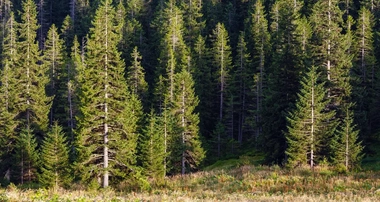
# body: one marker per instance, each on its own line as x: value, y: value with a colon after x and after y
x: 183, y: 127
x: 105, y: 152
x: 312, y: 126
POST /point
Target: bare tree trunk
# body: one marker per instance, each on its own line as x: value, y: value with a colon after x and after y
x: 105, y: 151
x: 72, y: 10
x: 312, y: 126
x: 221, y: 93
x: 183, y: 127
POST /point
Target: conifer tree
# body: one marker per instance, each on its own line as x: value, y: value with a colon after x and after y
x: 74, y: 66
x: 55, y: 167
x: 67, y: 33
x: 222, y: 63
x: 260, y: 40
x: 332, y: 53
x: 54, y: 59
x: 174, y: 55
x: 308, y: 123
x: 243, y: 78
x: 204, y: 85
x: 32, y: 102
x: 346, y: 150
x: 136, y: 76
x: 153, y: 151
x: 364, y: 74
x: 8, y: 88
x: 106, y: 137
x: 27, y: 156
x: 330, y: 48
x: 133, y: 32
x: 193, y: 22
x: 283, y: 76
x: 190, y: 153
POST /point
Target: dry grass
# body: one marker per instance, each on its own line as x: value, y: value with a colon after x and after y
x: 245, y: 183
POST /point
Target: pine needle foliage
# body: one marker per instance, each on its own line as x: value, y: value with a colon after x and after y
x: 346, y: 149
x: 55, y: 167
x: 106, y: 135
x: 308, y: 123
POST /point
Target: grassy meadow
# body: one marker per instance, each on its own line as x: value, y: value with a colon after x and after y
x: 230, y: 180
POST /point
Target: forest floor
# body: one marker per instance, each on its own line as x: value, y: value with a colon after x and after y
x: 235, y: 181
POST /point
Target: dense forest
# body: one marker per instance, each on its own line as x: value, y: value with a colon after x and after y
x: 106, y: 92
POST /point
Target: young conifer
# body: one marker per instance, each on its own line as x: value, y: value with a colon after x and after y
x: 55, y: 167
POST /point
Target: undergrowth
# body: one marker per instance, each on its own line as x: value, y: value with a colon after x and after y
x: 240, y: 183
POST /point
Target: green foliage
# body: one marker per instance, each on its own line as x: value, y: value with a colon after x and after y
x: 54, y: 58
x: 109, y: 113
x: 222, y: 62
x: 54, y: 158
x: 8, y: 90
x: 27, y: 157
x: 153, y: 148
x: 308, y: 123
x: 346, y: 150
x: 190, y: 152
x: 193, y: 21
x: 136, y: 76
x: 204, y: 83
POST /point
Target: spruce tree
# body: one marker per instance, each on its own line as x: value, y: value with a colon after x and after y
x: 8, y: 88
x: 32, y: 102
x: 153, y: 151
x: 283, y: 76
x: 346, y: 149
x: 222, y: 63
x: 190, y: 152
x: 54, y: 59
x: 174, y: 54
x: 193, y: 22
x: 106, y: 135
x: 27, y: 156
x: 308, y: 123
x: 364, y: 76
x: 136, y: 76
x: 331, y: 51
x: 243, y: 79
x: 55, y: 167
x: 204, y: 83
x: 260, y: 40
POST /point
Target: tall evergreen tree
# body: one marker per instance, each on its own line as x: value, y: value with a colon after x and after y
x: 222, y: 63
x: 190, y: 150
x: 204, y: 85
x: 283, y: 76
x: 364, y: 74
x: 8, y: 88
x: 55, y: 167
x: 106, y: 137
x: 308, y: 123
x: 54, y: 59
x: 260, y: 39
x: 174, y: 55
x: 330, y: 51
x: 193, y: 22
x: 33, y: 103
x: 243, y: 79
